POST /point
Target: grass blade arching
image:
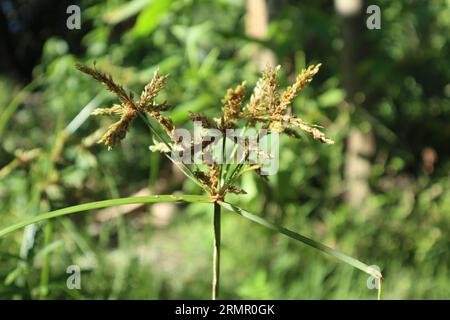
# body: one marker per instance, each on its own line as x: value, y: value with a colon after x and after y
x: 103, y: 204
x: 310, y: 242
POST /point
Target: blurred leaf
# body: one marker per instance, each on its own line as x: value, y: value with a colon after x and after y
x: 149, y: 19
x: 125, y: 11
x: 331, y: 97
x: 180, y: 112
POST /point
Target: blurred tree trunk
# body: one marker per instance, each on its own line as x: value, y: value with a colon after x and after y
x: 256, y: 24
x: 360, y: 145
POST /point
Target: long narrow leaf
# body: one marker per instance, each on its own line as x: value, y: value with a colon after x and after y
x: 312, y: 243
x: 103, y: 204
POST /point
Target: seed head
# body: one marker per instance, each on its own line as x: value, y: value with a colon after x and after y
x: 128, y: 109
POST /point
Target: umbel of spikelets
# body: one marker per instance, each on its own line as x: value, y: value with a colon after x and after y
x: 128, y: 108
x: 267, y: 106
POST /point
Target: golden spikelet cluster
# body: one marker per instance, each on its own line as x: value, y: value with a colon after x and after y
x: 210, y: 178
x: 129, y: 109
x: 265, y: 95
x: 267, y: 106
x: 232, y: 106
x: 118, y: 90
x: 150, y: 92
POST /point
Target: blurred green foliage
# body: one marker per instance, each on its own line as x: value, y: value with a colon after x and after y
x: 403, y: 226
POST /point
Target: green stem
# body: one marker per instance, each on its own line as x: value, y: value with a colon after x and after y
x: 45, y: 272
x: 216, y: 252
x: 380, y: 289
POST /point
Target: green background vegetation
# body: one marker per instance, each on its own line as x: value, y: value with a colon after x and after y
x: 395, y: 90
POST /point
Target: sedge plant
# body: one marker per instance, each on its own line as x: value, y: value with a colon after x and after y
x: 268, y: 108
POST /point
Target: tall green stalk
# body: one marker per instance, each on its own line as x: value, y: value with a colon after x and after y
x: 45, y: 272
x: 216, y: 252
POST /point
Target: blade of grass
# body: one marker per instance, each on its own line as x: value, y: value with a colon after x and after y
x: 312, y: 243
x: 103, y: 204
x: 84, y: 114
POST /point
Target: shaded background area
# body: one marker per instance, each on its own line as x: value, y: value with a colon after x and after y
x: 381, y: 193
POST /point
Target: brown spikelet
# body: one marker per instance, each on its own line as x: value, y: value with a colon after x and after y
x: 309, y: 129
x: 268, y: 108
x: 272, y: 94
x: 118, y: 130
x: 162, y: 107
x: 292, y: 133
x: 107, y: 80
x: 128, y: 109
x: 301, y: 81
x: 233, y: 104
x: 206, y: 122
x: 236, y: 190
x: 151, y: 90
x: 166, y: 122
x: 116, y: 109
x: 202, y: 176
x: 214, y: 174
x: 265, y: 95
